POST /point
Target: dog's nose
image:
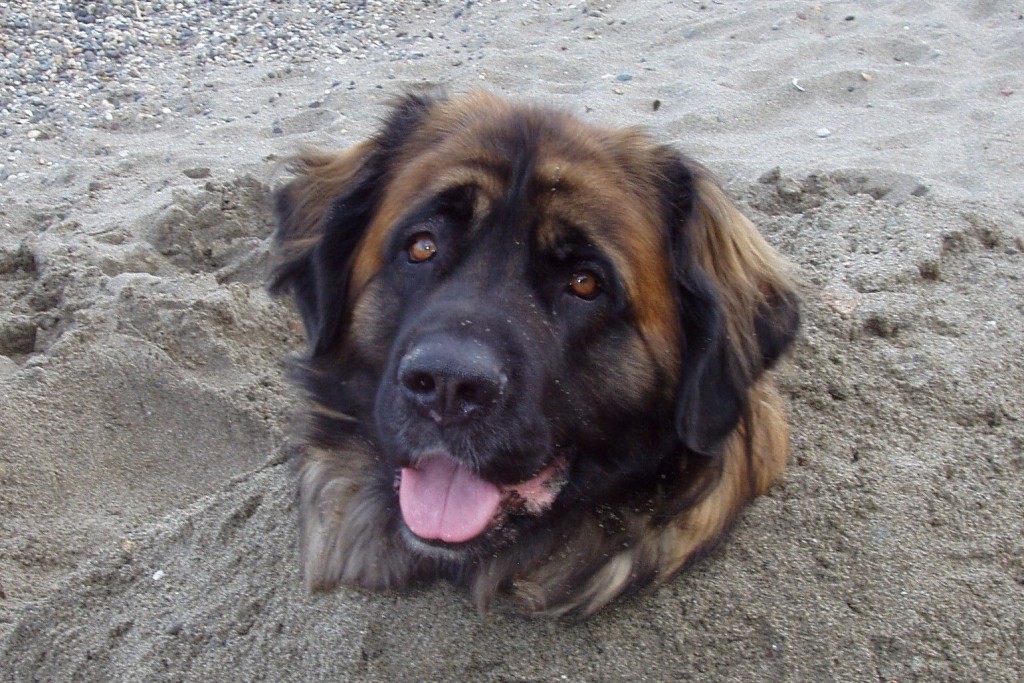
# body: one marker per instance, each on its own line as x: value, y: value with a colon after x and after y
x: 451, y: 380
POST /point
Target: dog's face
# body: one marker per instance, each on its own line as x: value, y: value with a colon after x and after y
x: 499, y: 309
x: 519, y: 326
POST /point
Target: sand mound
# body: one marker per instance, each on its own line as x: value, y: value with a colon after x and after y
x: 127, y: 363
x: 908, y: 446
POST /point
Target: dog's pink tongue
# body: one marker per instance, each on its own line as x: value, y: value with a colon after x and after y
x: 441, y: 500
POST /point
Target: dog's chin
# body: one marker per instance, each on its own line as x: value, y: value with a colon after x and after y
x: 452, y: 553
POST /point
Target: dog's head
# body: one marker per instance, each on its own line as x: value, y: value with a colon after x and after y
x: 520, y: 312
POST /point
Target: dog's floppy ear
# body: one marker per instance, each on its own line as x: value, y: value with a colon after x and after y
x: 738, y: 311
x: 322, y: 216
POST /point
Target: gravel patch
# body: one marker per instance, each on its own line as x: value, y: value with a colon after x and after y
x: 82, y: 62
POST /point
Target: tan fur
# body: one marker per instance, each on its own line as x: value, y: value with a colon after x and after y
x: 321, y: 176
x: 344, y: 538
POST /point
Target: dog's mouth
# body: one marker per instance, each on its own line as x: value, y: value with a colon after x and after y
x: 442, y: 500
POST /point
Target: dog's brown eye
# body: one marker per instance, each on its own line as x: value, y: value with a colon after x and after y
x: 422, y: 248
x: 584, y: 284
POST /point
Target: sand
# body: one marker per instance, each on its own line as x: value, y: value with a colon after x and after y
x: 147, y: 525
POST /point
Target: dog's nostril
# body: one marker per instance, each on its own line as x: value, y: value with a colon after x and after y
x: 419, y: 382
x: 474, y: 395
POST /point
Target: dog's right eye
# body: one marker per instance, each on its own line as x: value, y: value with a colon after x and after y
x: 585, y: 284
x: 422, y: 247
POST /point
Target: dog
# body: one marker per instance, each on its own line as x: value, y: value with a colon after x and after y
x: 537, y: 356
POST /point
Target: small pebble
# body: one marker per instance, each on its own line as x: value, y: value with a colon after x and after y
x: 823, y: 132
x: 158, y: 574
x: 623, y: 77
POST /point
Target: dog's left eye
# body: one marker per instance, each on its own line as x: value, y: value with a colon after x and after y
x: 585, y: 284
x: 422, y: 247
